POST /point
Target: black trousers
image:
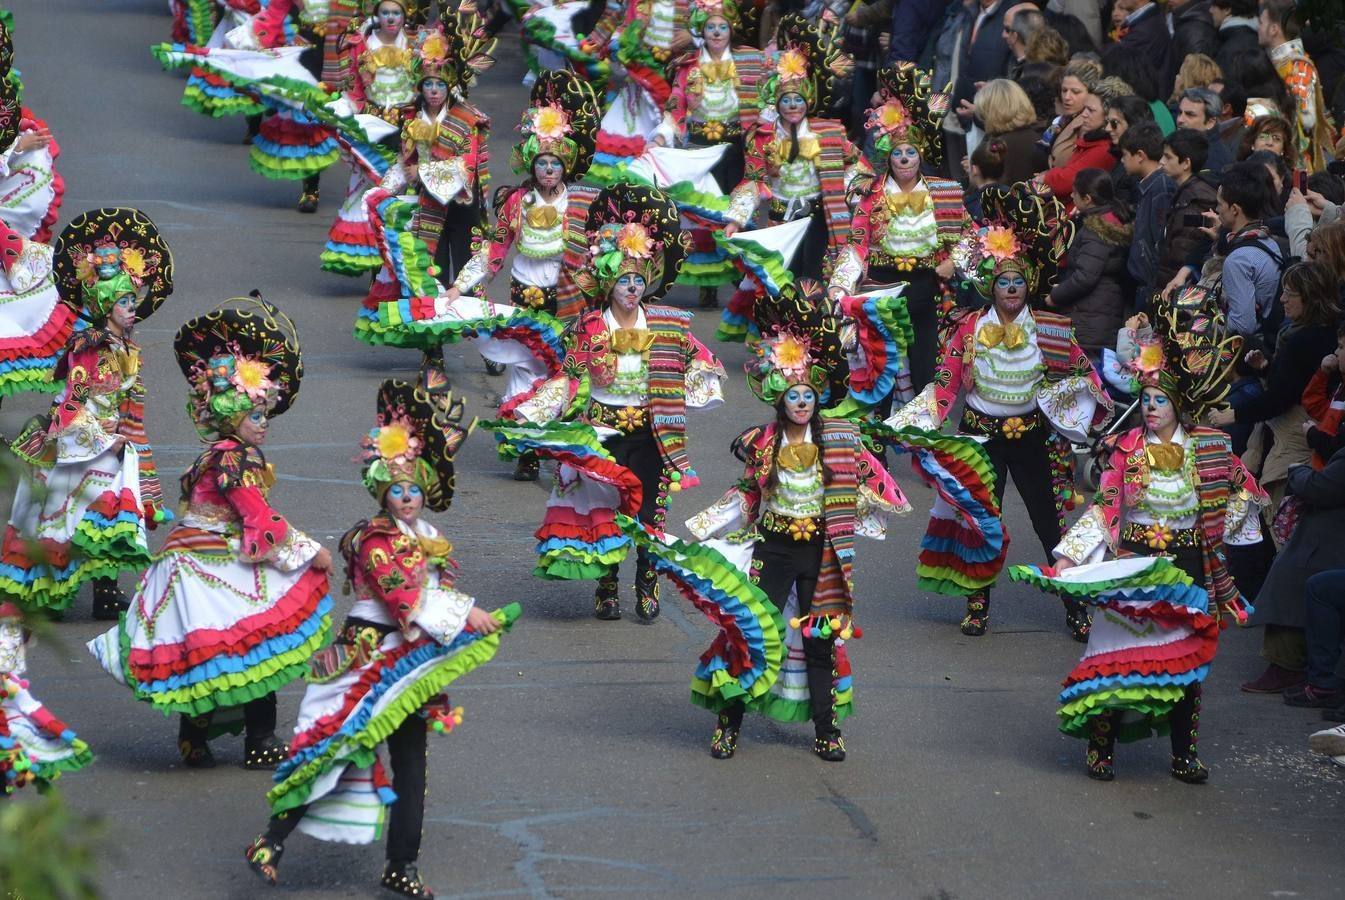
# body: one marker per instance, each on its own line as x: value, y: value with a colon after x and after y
x: 922, y: 297
x: 639, y: 452
x: 455, y: 242
x: 259, y: 721
x: 783, y: 563
x: 407, y: 755
x: 1025, y: 459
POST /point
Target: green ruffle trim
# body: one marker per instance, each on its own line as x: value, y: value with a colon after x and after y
x: 22, y: 381
x: 1153, y: 702
x: 279, y: 169
x: 199, y: 101
x: 102, y: 562
x: 570, y: 565
x: 712, y: 274
x: 50, y: 771
x: 1161, y: 574
x: 769, y: 261
x: 349, y: 264
x: 558, y: 431
x: 946, y: 581
x: 359, y: 748
x: 684, y: 193
x: 736, y: 334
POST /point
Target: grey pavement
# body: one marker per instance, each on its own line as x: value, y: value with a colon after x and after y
x: 582, y: 769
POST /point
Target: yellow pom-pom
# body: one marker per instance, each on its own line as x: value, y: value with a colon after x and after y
x: 795, y: 622
x: 847, y: 632
x: 675, y: 487
x: 835, y: 624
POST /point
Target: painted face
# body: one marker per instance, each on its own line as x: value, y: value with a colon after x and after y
x: 405, y: 500
x: 1270, y: 140
x: 1159, y: 413
x: 122, y: 315
x: 1010, y: 292
x: 717, y: 32
x: 390, y: 17
x: 435, y: 92
x: 792, y: 108
x: 253, y: 427
x: 548, y: 170
x: 905, y: 162
x: 221, y: 369
x: 1293, y: 304
x: 107, y: 261
x: 628, y: 292
x: 1072, y: 92
x: 800, y: 404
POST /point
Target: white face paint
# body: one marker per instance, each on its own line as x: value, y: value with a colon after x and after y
x: 905, y: 162
x: 628, y: 292
x: 549, y: 171
x: 390, y: 18
x: 800, y: 404
x: 405, y: 500
x: 1160, y: 416
x: 1010, y: 294
x: 435, y: 92
x: 122, y: 316
x: 717, y: 33
x: 792, y: 108
x: 253, y: 427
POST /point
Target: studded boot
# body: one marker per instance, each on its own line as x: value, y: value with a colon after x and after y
x: 820, y: 659
x: 108, y: 600
x: 527, y: 468
x: 192, y: 732
x: 724, y: 742
x: 607, y: 599
x: 1101, y: 748
x: 977, y: 619
x: 1185, y: 725
x: 261, y: 748
x: 402, y: 878
x: 1078, y: 620
x: 263, y: 857
x: 646, y: 588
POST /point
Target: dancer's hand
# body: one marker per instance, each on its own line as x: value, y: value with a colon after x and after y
x: 481, y: 621
x: 731, y: 229
x: 1064, y: 564
x: 323, y: 561
x: 452, y: 294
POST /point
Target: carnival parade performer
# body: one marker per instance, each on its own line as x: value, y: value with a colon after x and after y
x: 37, y: 323
x: 907, y: 223
x: 82, y: 510
x: 30, y: 187
x: 802, y: 166
x: 810, y: 486
x: 408, y: 636
x: 1172, y: 496
x: 236, y: 600
x: 1028, y: 388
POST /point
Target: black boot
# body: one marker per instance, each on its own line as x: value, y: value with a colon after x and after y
x: 191, y: 742
x: 263, y: 857
x: 494, y: 368
x: 1101, y: 748
x: 646, y: 588
x: 261, y: 748
x: 724, y: 742
x: 820, y: 659
x: 607, y: 600
x: 709, y: 298
x: 108, y: 600
x: 977, y: 619
x: 254, y: 128
x: 1185, y: 723
x: 402, y: 878
x: 528, y: 468
x: 1078, y: 620
x: 433, y: 375
x: 308, y: 198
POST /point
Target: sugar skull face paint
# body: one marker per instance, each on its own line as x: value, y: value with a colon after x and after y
x: 405, y: 500
x: 107, y: 260
x: 548, y: 170
x: 390, y: 18
x: 800, y: 404
x: 253, y: 427
x: 122, y: 315
x: 905, y: 162
x: 717, y: 33
x: 792, y: 108
x: 1010, y: 292
x: 628, y: 292
x: 1160, y: 415
x: 435, y: 92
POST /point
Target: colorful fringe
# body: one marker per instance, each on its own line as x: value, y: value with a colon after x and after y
x: 884, y: 331
x: 352, y: 735
x: 292, y: 145
x: 17, y: 768
x: 539, y: 32
x: 1163, y: 618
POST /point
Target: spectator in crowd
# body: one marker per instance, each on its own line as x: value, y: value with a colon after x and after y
x: 1237, y: 25
x: 1199, y: 109
x: 1183, y: 159
x: 1144, y: 34
x: 1262, y: 83
x: 1120, y: 113
x: 863, y: 23
x: 1153, y: 86
x: 1281, y: 180
x: 1092, y: 150
x: 1045, y: 46
x: 986, y: 167
x: 1278, y: 30
x: 1142, y: 154
x: 1303, y: 211
x: 1325, y: 243
x: 1324, y: 613
x: 1021, y: 22
x: 1231, y: 125
x: 1273, y: 134
x: 1196, y: 70
x: 1090, y: 290
x: 1193, y: 30
x: 1088, y: 15
x: 913, y: 24
x: 1324, y: 403
x: 1077, y: 82
x: 983, y: 55
x: 1043, y: 89
x: 1253, y: 261
x: 1006, y: 113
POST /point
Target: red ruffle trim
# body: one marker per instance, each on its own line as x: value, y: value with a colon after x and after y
x: 48, y: 722
x: 565, y: 523
x: 1178, y: 656
x: 606, y: 471
x: 285, y: 131
x: 14, y: 551
x: 47, y: 341
x: 298, y: 605
x: 380, y: 292
x: 534, y: 342
x: 956, y: 530
x: 620, y: 144
x: 327, y: 725
x: 356, y: 234
x: 109, y: 505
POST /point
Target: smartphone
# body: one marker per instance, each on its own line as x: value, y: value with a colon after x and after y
x: 1193, y: 220
x: 1301, y: 180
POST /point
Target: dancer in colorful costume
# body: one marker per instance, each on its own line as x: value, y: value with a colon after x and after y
x: 907, y: 223
x: 236, y: 601
x: 410, y: 634
x: 1029, y: 390
x: 809, y: 488
x: 30, y: 187
x: 803, y: 166
x: 82, y: 511
x: 1172, y: 496
x: 35, y: 746
x: 36, y: 325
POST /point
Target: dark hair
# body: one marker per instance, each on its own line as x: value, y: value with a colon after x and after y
x: 1245, y: 9
x: 1328, y: 185
x: 1234, y: 97
x: 1042, y: 92
x: 1288, y: 140
x: 1191, y: 145
x: 1285, y: 14
x: 1134, y: 70
x: 1132, y: 108
x: 1254, y: 70
x: 989, y: 158
x: 1146, y: 138
x: 781, y: 420
x: 1340, y: 331
x: 1096, y: 185
x: 1247, y: 185
x: 1209, y: 100
x: 1315, y: 284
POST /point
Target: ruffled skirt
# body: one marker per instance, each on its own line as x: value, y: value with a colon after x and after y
x: 34, y: 744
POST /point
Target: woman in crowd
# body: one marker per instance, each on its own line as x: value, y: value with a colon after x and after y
x: 1092, y: 149
x: 1006, y: 112
x: 1273, y: 134
x: 1077, y: 81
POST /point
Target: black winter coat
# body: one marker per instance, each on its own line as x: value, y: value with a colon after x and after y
x: 1149, y: 39
x: 1192, y: 32
x: 1196, y: 196
x: 1091, y: 290
x: 1233, y: 44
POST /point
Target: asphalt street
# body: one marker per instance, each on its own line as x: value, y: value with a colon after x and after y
x: 582, y: 769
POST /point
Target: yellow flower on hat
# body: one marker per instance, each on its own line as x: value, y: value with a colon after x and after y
x: 1150, y: 358
x: 790, y: 353
x: 252, y: 377
x: 133, y: 261
x: 892, y: 115
x: 634, y: 240
x: 393, y: 441
x: 434, y: 47
x: 550, y: 122
x: 792, y: 64
x: 999, y: 242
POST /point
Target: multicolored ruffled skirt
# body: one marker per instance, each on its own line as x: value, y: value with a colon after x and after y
x: 34, y: 328
x: 35, y: 746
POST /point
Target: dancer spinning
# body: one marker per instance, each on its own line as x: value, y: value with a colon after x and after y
x: 1028, y: 387
x: 236, y: 601
x: 409, y: 635
x: 907, y: 224
x: 30, y: 187
x: 1172, y: 495
x: 809, y: 487
x: 82, y: 511
x: 37, y: 323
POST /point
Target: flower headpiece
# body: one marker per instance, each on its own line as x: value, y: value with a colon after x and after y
x: 632, y: 229
x: 799, y: 344
x: 807, y: 64
x: 702, y: 10
x: 239, y: 357
x: 431, y: 55
x: 562, y: 122
x: 1022, y: 230
x: 415, y: 438
x: 910, y: 113
x: 104, y: 254
x: 465, y: 53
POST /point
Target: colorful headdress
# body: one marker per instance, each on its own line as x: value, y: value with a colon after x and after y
x: 103, y: 253
x: 910, y: 113
x: 1186, y: 351
x: 807, y: 64
x: 241, y: 356
x: 562, y: 121
x: 465, y: 54
x: 702, y: 10
x: 632, y: 229
x: 415, y: 438
x: 1022, y: 229
x: 800, y: 343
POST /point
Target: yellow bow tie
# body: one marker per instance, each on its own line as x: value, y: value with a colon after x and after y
x: 422, y: 132
x: 128, y: 362
x: 632, y: 340
x: 809, y: 150
x: 1165, y: 457
x: 543, y: 216
x: 724, y: 70
x: 1012, y: 336
x: 797, y: 457
x: 913, y: 203
x: 435, y: 547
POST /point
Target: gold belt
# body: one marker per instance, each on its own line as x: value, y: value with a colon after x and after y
x: 800, y: 529
x: 625, y: 419
x: 1161, y: 537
